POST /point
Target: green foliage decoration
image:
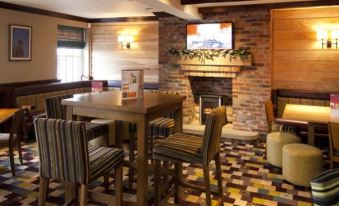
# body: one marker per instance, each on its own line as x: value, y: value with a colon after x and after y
x: 210, y: 54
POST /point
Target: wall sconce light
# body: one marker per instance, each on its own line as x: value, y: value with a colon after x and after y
x: 125, y: 40
x: 328, y: 38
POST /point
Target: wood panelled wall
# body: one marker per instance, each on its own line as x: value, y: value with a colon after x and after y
x: 299, y: 62
x: 108, y: 58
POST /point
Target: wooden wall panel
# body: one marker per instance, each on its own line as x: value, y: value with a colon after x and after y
x: 299, y: 62
x: 108, y: 59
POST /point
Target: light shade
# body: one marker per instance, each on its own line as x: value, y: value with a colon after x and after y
x: 125, y: 39
x: 335, y: 35
x: 322, y: 35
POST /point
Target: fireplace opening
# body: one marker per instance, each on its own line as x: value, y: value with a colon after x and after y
x: 209, y: 93
x: 206, y: 104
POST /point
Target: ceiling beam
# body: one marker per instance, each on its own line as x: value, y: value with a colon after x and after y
x: 174, y: 8
x: 187, y: 2
x: 206, y: 10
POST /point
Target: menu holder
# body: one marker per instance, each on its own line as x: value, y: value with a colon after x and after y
x: 97, y: 86
x: 334, y: 107
x: 132, y: 84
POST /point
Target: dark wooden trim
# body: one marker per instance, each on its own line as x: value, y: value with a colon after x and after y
x: 124, y: 19
x: 162, y: 14
x: 32, y: 10
x: 221, y: 9
x: 147, y: 85
x: 185, y: 2
x: 29, y: 83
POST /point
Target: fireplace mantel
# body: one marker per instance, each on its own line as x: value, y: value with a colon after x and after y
x: 218, y: 67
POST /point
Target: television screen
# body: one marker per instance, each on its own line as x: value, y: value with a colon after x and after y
x: 209, y: 36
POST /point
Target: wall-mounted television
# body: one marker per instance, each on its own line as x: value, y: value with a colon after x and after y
x: 209, y: 36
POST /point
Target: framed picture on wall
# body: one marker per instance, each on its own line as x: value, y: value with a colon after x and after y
x: 20, y: 43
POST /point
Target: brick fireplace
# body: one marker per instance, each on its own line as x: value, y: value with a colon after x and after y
x: 250, y: 87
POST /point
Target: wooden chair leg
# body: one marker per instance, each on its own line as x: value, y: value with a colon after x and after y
x: 118, y: 186
x: 20, y: 153
x: 83, y: 195
x: 178, y: 179
x: 11, y: 158
x: 331, y: 163
x: 157, y: 174
x: 131, y: 159
x: 106, y: 181
x: 207, y: 185
x: 43, y: 191
x: 219, y: 178
x: 151, y: 142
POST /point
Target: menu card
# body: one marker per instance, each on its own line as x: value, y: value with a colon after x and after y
x: 132, y: 84
x: 334, y: 105
x: 97, y: 86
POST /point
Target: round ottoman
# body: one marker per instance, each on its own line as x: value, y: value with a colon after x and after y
x: 102, y: 141
x: 274, y: 144
x: 301, y: 163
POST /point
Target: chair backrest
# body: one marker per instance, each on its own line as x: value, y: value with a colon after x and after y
x: 16, y: 125
x: 333, y: 129
x: 63, y: 150
x: 215, y: 120
x: 269, y: 114
x: 54, y: 108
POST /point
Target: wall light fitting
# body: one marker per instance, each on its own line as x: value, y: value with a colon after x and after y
x: 125, y: 41
x: 328, y: 38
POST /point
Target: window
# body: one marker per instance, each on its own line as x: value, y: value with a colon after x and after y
x: 70, y: 53
x: 70, y: 64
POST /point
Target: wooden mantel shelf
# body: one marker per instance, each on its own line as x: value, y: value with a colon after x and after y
x: 219, y: 67
x: 217, y: 61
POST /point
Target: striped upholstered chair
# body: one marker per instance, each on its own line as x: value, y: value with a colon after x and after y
x: 325, y: 188
x: 13, y: 138
x: 181, y: 148
x: 55, y: 110
x: 158, y: 128
x: 65, y: 156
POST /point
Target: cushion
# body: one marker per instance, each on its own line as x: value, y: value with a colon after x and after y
x: 102, y: 159
x: 180, y: 147
x: 280, y: 127
x: 161, y: 127
x: 325, y: 188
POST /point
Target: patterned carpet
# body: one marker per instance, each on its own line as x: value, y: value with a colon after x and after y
x: 247, y: 179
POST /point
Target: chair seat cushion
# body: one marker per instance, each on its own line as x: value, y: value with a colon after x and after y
x: 161, y: 127
x: 4, y: 138
x: 325, y: 188
x: 102, y: 159
x: 95, y: 130
x: 179, y: 147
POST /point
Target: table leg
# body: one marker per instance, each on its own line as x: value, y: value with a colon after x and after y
x: 142, y: 161
x: 310, y: 131
x: 178, y: 119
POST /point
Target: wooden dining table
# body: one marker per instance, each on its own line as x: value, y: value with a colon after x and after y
x: 5, y: 114
x: 310, y: 115
x: 110, y: 105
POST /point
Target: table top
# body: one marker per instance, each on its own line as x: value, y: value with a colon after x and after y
x: 309, y: 113
x: 6, y: 114
x: 112, y: 100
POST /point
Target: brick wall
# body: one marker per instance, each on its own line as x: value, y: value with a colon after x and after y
x: 251, y: 88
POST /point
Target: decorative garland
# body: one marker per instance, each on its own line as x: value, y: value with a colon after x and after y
x: 210, y: 54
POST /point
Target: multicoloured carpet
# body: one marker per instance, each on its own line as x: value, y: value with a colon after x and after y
x: 247, y: 178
